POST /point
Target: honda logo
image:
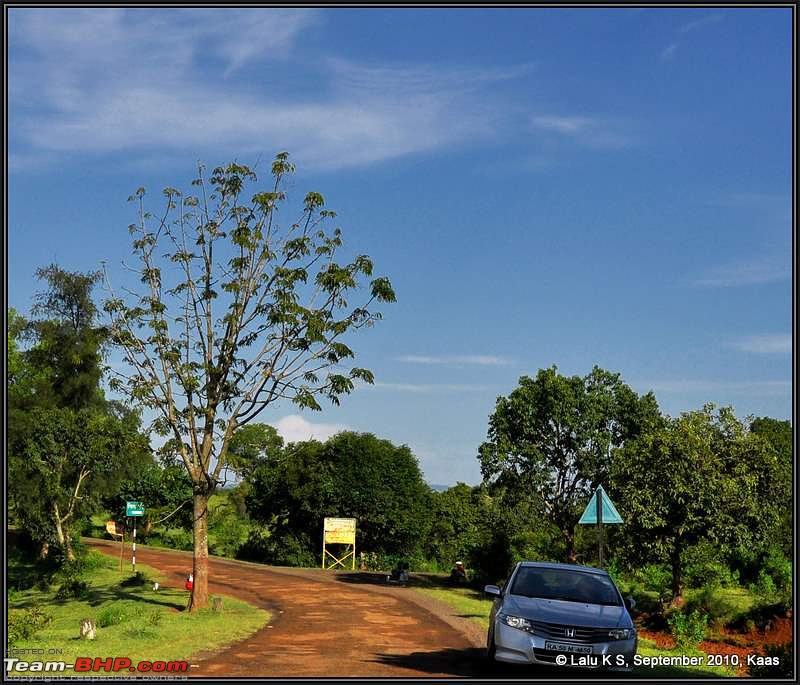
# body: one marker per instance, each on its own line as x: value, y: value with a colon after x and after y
x: 570, y: 632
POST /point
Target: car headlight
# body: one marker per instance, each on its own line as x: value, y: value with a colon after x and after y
x: 621, y: 633
x: 516, y: 622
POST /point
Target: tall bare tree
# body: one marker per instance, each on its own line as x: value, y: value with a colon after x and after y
x: 239, y: 310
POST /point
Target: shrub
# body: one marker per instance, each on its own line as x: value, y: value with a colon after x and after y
x: 783, y: 669
x: 70, y: 580
x: 711, y: 602
x: 94, y: 560
x: 228, y: 534
x: 138, y: 579
x: 778, y: 567
x: 23, y: 624
x: 614, y: 570
x: 117, y: 613
x: 285, y: 550
x: 73, y: 588
x: 704, y: 566
x: 655, y: 577
x: 688, y: 628
x: 111, y: 615
x: 177, y: 538
x: 256, y: 547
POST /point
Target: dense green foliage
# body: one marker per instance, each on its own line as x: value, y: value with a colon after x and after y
x: 68, y: 446
x: 554, y: 438
x: 350, y: 475
x: 701, y: 478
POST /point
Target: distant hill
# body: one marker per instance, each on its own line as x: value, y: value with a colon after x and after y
x: 439, y: 488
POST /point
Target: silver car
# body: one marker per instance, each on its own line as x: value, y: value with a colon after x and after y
x: 563, y: 615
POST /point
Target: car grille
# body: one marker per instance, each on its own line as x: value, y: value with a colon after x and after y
x: 558, y: 631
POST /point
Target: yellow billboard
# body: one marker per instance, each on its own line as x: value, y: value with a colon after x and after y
x: 339, y: 531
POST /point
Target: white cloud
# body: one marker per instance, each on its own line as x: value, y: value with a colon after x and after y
x: 466, y: 359
x: 594, y: 132
x: 669, y: 52
x: 153, y: 81
x: 749, y: 273
x: 294, y: 428
x: 698, y: 23
x: 764, y: 344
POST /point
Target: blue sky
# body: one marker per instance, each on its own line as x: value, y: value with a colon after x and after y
x: 543, y: 186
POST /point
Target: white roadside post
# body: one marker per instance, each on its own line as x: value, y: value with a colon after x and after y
x: 134, y: 510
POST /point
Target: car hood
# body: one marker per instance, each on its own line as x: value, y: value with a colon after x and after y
x: 570, y: 613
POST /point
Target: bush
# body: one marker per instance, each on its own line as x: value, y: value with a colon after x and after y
x: 761, y: 616
x: 256, y: 547
x: 228, y: 534
x: 70, y: 580
x: 783, y: 669
x: 74, y: 588
x: 711, y: 602
x: 779, y: 568
x: 655, y: 577
x: 174, y: 538
x: 688, y: 629
x: 112, y: 615
x: 286, y: 550
x: 93, y: 561
x: 138, y: 579
x: 704, y: 566
x: 23, y: 624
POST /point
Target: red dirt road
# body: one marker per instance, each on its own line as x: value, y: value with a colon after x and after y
x: 327, y: 624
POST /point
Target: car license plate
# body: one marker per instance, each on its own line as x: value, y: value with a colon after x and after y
x: 564, y: 647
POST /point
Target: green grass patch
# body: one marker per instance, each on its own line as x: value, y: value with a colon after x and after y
x: 468, y: 602
x: 132, y: 619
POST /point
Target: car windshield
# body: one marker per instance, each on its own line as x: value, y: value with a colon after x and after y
x: 566, y: 585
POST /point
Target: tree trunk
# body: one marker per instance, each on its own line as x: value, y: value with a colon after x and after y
x: 63, y: 539
x: 199, y: 599
x: 677, y: 574
x: 569, y: 538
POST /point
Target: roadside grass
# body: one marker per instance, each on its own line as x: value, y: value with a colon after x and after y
x: 132, y: 619
x: 473, y: 604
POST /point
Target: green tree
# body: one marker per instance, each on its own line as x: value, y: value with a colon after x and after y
x: 238, y: 311
x: 68, y: 349
x: 554, y: 438
x: 164, y: 487
x: 252, y: 444
x: 66, y: 445
x: 457, y: 522
x: 351, y: 475
x: 700, y: 477
x: 66, y: 461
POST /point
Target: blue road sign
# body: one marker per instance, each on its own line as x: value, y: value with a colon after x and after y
x: 610, y: 513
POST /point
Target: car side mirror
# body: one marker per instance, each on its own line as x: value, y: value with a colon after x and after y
x: 630, y: 602
x: 492, y: 591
